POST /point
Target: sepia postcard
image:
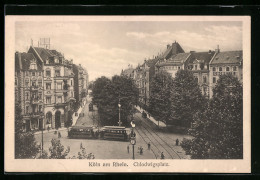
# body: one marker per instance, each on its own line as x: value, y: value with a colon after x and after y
x: 158, y: 94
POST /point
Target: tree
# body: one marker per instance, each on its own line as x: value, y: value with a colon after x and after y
x: 107, y: 94
x: 25, y: 144
x: 160, y: 96
x: 186, y: 99
x: 57, y: 150
x: 218, y: 131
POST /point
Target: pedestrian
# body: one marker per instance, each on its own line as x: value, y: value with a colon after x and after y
x: 59, y: 135
x: 149, y: 145
x: 141, y: 150
x: 177, y: 142
x: 48, y: 128
x: 162, y: 155
x: 128, y: 149
x: 81, y: 146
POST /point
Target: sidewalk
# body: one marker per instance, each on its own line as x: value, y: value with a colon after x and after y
x: 51, y: 130
x: 161, y: 124
x: 74, y: 117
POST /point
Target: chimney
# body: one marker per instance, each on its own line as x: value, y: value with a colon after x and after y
x: 217, y: 50
x: 209, y: 51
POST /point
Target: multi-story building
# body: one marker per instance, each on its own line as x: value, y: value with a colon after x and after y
x: 228, y: 62
x: 29, y: 92
x: 81, y: 83
x: 58, y: 86
x: 198, y: 63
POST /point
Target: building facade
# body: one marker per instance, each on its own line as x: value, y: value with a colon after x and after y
x: 228, y: 62
x: 58, y: 81
x: 29, y: 90
x: 80, y: 83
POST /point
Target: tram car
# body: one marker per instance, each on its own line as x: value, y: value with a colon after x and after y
x: 82, y: 132
x: 114, y: 133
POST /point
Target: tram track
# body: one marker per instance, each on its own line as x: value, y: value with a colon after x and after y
x: 168, y: 149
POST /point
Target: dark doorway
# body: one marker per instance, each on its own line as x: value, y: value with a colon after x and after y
x: 27, y: 126
x: 57, y: 119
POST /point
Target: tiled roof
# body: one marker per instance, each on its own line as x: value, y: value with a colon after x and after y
x: 175, y: 48
x: 151, y: 62
x: 205, y: 57
x: 178, y: 58
x: 228, y: 57
x: 23, y: 61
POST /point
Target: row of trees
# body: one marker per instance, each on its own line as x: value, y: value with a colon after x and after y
x: 107, y: 94
x: 216, y: 124
x: 174, y: 101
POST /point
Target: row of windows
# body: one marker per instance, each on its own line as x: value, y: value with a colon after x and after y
x: 227, y: 68
x: 34, y: 109
x: 33, y: 83
x: 58, y: 99
x: 172, y: 67
x: 204, y: 79
x: 27, y: 73
x: 56, y: 74
x: 34, y: 95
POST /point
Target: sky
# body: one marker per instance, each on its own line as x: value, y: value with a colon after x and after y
x: 104, y: 48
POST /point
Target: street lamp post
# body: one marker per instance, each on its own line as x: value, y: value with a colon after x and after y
x: 119, y: 106
x: 133, y: 139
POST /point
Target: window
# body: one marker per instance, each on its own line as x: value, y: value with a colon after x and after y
x: 214, y: 80
x: 48, y: 73
x: 27, y: 109
x: 34, y: 83
x: 59, y: 99
x: 33, y: 73
x: 40, y: 83
x: 40, y: 95
x: 34, y: 94
x: 234, y: 68
x: 214, y: 69
x: 227, y: 68
x: 27, y: 82
x: 71, y: 82
x: 40, y: 108
x: 220, y: 68
x: 48, y: 117
x: 48, y: 85
x: 196, y: 67
x: 57, y: 73
x: 196, y: 79
x: 27, y: 95
x: 59, y: 85
x: 40, y: 73
x: 27, y: 73
x: 48, y: 100
x: 204, y: 79
x: 15, y: 81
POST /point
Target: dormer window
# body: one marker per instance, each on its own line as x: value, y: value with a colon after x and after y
x: 33, y: 65
x: 56, y: 60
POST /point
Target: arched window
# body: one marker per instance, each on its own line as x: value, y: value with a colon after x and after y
x: 234, y: 68
x: 227, y: 68
x: 48, y: 117
x: 220, y: 68
x: 214, y: 69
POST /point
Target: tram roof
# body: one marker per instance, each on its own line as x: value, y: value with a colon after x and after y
x: 114, y: 127
x: 82, y: 127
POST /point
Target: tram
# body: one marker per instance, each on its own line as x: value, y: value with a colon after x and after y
x: 114, y: 133
x: 82, y: 132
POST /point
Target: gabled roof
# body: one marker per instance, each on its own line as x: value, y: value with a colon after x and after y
x: 228, y: 57
x: 175, y: 48
x: 23, y: 61
x: 201, y: 57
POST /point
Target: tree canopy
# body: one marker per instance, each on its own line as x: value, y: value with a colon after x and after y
x: 218, y: 130
x: 107, y: 94
x: 25, y: 144
x: 186, y: 99
x: 160, y: 103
